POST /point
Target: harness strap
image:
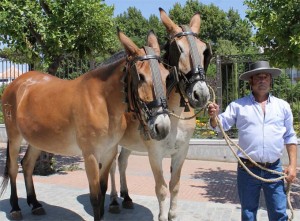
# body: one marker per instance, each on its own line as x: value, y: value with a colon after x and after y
x: 196, y: 59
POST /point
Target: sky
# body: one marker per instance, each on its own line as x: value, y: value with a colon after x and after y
x: 148, y: 7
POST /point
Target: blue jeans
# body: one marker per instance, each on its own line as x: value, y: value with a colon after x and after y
x: 249, y: 191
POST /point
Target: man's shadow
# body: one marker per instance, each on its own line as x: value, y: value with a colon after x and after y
x: 222, y: 188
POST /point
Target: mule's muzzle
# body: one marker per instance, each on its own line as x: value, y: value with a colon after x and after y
x: 198, y: 94
x: 159, y: 126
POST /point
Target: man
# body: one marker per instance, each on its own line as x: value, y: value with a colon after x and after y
x: 265, y: 125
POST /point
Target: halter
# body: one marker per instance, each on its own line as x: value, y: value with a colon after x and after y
x: 197, y: 72
x: 132, y: 79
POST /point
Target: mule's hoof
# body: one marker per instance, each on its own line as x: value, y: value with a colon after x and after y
x: 115, y: 209
x: 38, y: 211
x: 16, y: 215
x: 127, y: 205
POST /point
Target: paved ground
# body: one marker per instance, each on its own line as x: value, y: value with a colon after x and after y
x: 207, y: 193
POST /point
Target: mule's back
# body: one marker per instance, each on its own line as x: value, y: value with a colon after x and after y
x: 36, y: 106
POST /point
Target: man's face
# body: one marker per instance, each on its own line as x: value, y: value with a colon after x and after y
x: 261, y: 82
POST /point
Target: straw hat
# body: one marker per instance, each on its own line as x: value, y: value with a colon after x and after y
x: 260, y: 67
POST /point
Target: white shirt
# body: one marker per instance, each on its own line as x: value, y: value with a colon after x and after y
x: 261, y: 136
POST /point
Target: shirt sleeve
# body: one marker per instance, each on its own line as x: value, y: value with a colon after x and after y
x: 290, y: 134
x: 227, y: 118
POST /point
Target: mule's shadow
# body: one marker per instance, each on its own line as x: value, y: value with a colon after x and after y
x: 52, y: 212
x: 60, y: 213
x: 221, y: 186
x: 125, y: 214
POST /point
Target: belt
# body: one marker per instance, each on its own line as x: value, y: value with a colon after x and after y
x: 248, y: 163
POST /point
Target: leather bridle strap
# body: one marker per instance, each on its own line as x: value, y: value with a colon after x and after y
x: 156, y: 76
x: 196, y: 59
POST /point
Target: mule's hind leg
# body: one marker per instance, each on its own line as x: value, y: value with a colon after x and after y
x: 28, y: 163
x: 13, y: 149
x: 114, y: 206
x: 122, y: 164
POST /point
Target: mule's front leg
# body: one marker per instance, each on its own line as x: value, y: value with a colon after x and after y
x: 176, y: 166
x: 160, y: 185
x: 93, y: 175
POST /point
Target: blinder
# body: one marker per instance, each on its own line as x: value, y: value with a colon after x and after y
x: 160, y: 99
x: 197, y: 72
x: 175, y: 52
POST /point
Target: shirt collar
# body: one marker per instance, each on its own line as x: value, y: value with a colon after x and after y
x: 270, y: 97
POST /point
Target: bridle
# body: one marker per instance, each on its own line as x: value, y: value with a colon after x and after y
x: 197, y: 72
x: 144, y: 111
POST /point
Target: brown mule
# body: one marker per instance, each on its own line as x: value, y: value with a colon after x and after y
x: 85, y: 116
x: 187, y: 90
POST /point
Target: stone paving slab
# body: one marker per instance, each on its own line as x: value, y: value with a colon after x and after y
x: 64, y: 203
x: 207, y: 193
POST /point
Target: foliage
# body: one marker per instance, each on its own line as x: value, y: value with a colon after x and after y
x: 278, y: 27
x: 226, y: 47
x: 47, y: 31
x: 133, y: 24
x: 137, y: 27
x: 216, y: 25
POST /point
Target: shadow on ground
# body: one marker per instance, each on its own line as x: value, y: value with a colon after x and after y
x: 125, y: 214
x: 221, y: 187
x: 52, y: 212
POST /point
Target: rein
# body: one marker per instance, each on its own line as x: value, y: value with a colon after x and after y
x: 230, y: 143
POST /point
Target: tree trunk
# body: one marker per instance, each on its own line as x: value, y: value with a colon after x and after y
x: 52, y: 69
x: 44, y: 164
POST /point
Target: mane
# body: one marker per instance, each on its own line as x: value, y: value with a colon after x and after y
x: 115, y: 57
x: 104, y: 69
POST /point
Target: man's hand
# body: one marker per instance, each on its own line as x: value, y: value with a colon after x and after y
x: 291, y: 174
x: 213, y: 110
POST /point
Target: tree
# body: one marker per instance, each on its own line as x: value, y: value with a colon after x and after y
x: 48, y: 31
x: 134, y: 25
x: 278, y: 28
x: 215, y: 23
x: 137, y: 27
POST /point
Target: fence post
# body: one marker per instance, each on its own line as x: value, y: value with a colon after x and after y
x: 219, y: 87
x: 219, y: 82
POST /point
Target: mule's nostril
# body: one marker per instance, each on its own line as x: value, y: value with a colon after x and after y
x: 196, y: 96
x: 156, y: 128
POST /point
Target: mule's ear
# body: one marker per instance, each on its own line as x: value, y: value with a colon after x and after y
x: 130, y: 47
x: 153, y: 42
x: 195, y: 23
x: 171, y: 27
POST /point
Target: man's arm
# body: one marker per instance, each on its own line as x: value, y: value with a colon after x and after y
x: 291, y: 170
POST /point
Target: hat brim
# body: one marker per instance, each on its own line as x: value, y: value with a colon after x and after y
x: 273, y: 71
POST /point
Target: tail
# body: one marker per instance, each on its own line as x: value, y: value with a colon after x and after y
x: 5, y: 175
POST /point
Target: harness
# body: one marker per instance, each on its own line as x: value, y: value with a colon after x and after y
x: 144, y: 111
x: 197, y: 72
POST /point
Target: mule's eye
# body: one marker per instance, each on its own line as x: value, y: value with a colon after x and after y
x: 142, y: 79
x: 180, y: 49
